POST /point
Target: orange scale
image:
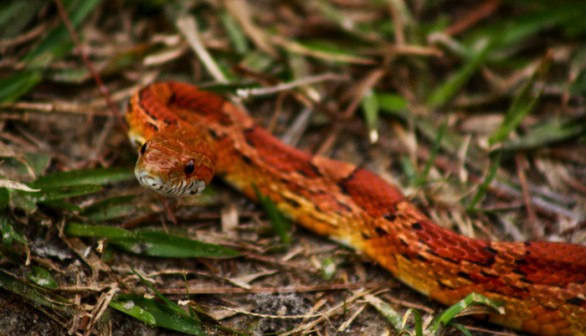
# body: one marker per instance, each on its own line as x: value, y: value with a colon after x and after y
x: 530, y: 271
x: 426, y: 241
x: 566, y: 332
x: 546, y: 318
x: 456, y: 252
x: 561, y: 324
x: 381, y: 243
x: 437, y: 245
x: 555, y: 268
x: 537, y: 310
x: 204, y: 173
x: 433, y: 236
x: 506, y: 258
x: 549, y: 330
x: 531, y: 326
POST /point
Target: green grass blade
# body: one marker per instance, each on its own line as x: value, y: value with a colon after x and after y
x: 547, y: 133
x: 58, y: 42
x: 495, y: 158
x: 444, y: 93
x: 422, y: 178
x: 15, y: 16
x: 98, y: 176
x: 34, y: 294
x: 131, y: 305
x: 370, y: 110
x: 97, y: 231
x: 515, y: 31
x: 418, y: 322
x: 111, y: 208
x: 160, y: 244
x: 472, y: 299
x: 50, y: 196
x: 42, y: 277
x: 9, y: 233
x: 396, y: 106
x: 194, y: 312
x: 325, y: 50
x: 22, y: 201
x: 151, y: 243
x: 4, y: 198
x: 462, y: 329
x: 522, y: 105
x: 170, y: 304
x: 55, y: 45
x: 59, y: 192
x: 111, y: 212
x: 393, y: 103
x: 156, y: 314
x: 385, y: 310
x: 234, y: 33
x: 280, y: 223
x: 29, y: 164
x: 409, y: 170
x: 14, y: 86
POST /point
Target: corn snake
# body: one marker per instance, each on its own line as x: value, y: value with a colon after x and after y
x: 185, y: 134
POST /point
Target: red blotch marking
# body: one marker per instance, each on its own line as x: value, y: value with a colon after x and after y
x: 201, y: 102
x: 153, y: 101
x: 556, y: 264
x: 451, y: 246
x: 371, y: 192
x: 169, y: 101
x: 278, y: 155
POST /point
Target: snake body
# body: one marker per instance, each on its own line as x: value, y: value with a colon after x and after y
x: 185, y: 134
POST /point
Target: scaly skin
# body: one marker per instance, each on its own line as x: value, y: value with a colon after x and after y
x: 542, y: 285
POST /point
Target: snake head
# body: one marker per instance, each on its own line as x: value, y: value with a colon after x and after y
x: 175, y: 162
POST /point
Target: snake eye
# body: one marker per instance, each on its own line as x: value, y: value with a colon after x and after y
x: 189, y: 168
x: 143, y: 148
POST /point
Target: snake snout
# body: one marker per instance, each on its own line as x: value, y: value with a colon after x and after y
x: 169, y: 188
x: 147, y: 180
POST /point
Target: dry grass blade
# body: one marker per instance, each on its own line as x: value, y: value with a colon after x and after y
x: 188, y: 27
x: 240, y: 10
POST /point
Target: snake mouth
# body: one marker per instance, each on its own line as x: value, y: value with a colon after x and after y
x: 147, y: 180
x: 167, y: 188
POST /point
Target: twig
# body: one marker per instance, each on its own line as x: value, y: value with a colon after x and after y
x: 358, y: 93
x: 473, y: 16
x: 274, y: 290
x: 269, y: 316
x: 100, y: 308
x: 536, y: 231
x: 23, y: 38
x: 306, y: 326
x: 103, y: 89
x: 400, y: 18
x: 293, y: 134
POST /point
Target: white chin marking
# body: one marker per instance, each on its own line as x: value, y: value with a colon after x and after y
x: 183, y: 189
x: 194, y: 187
x: 149, y: 181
